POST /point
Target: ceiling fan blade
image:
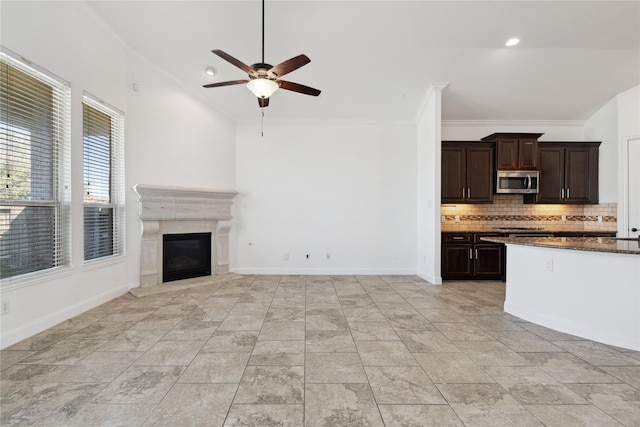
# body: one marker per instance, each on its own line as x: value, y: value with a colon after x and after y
x: 296, y: 87
x: 224, y: 55
x: 229, y: 83
x: 263, y: 102
x: 290, y: 65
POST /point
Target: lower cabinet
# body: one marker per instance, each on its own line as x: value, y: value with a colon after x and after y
x: 465, y: 256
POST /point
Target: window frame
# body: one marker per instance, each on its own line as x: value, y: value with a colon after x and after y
x: 116, y: 183
x: 60, y: 181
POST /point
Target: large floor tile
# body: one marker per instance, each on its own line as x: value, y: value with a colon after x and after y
x: 216, y: 368
x: 532, y: 386
x: 265, y: 415
x: 194, y: 405
x: 140, y: 385
x: 341, y: 405
x: 419, y: 416
x: 385, y: 353
x: 445, y: 368
x: 334, y: 368
x: 402, y: 385
x: 340, y: 341
x: 487, y: 405
x: 308, y: 351
x: 271, y: 384
x: 572, y: 416
x: 278, y: 353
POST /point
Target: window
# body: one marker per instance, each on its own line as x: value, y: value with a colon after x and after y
x: 34, y: 168
x: 103, y: 172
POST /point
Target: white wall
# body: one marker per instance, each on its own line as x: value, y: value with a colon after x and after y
x: 617, y: 119
x: 603, y: 126
x: 163, y: 127
x: 629, y: 112
x: 429, y: 149
x: 173, y: 140
x: 347, y: 189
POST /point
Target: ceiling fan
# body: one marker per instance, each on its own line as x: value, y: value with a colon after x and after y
x: 264, y: 79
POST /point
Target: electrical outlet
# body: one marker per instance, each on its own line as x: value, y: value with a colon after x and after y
x: 6, y: 307
x: 457, y: 218
x: 548, y: 264
x: 599, y: 218
x: 286, y: 256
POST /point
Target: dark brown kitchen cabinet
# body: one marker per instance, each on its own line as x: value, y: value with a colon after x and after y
x: 465, y: 256
x: 568, y: 173
x: 515, y: 151
x: 467, y: 172
x: 457, y: 256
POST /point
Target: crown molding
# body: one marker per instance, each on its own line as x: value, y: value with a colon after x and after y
x: 497, y: 123
x: 433, y: 87
x: 83, y: 4
x: 323, y: 121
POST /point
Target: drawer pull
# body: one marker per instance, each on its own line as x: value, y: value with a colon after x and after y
x: 458, y: 238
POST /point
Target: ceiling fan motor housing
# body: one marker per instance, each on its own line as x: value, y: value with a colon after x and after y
x: 262, y: 70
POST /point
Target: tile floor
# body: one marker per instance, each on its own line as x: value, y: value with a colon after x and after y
x: 315, y: 351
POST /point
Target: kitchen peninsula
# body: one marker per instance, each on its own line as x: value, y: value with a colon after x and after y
x: 584, y: 286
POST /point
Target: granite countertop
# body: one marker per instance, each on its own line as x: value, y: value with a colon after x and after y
x: 523, y: 230
x: 595, y: 244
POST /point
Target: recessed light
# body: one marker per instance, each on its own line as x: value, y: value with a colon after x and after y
x: 512, y: 42
x: 210, y: 71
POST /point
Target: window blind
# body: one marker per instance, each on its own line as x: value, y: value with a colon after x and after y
x: 103, y: 172
x: 34, y: 168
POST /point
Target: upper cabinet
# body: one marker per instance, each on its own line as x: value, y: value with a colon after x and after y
x: 568, y: 173
x: 515, y: 151
x: 467, y: 172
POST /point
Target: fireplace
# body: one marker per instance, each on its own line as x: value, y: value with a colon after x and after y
x: 185, y: 256
x: 167, y: 211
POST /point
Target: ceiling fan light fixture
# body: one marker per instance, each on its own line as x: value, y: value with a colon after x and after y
x: 262, y: 88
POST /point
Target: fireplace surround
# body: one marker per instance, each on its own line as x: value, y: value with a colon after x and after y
x: 177, y: 210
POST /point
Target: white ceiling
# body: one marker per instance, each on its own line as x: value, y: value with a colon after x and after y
x: 374, y: 60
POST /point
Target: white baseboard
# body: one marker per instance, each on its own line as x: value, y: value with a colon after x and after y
x: 434, y: 280
x: 325, y: 271
x: 10, y: 337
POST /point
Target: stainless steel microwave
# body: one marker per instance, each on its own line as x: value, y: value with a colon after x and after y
x: 519, y: 182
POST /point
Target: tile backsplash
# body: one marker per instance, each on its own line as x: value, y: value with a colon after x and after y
x: 508, y: 210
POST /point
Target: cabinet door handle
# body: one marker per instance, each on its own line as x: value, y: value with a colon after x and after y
x: 562, y: 193
x: 476, y: 253
x: 567, y: 192
x: 470, y: 253
x: 468, y: 193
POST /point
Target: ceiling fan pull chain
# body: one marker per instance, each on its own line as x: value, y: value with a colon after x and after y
x: 262, y: 122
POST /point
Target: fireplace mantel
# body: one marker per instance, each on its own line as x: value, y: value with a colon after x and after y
x: 168, y: 210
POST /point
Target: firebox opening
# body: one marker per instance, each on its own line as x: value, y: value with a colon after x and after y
x: 186, y: 256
